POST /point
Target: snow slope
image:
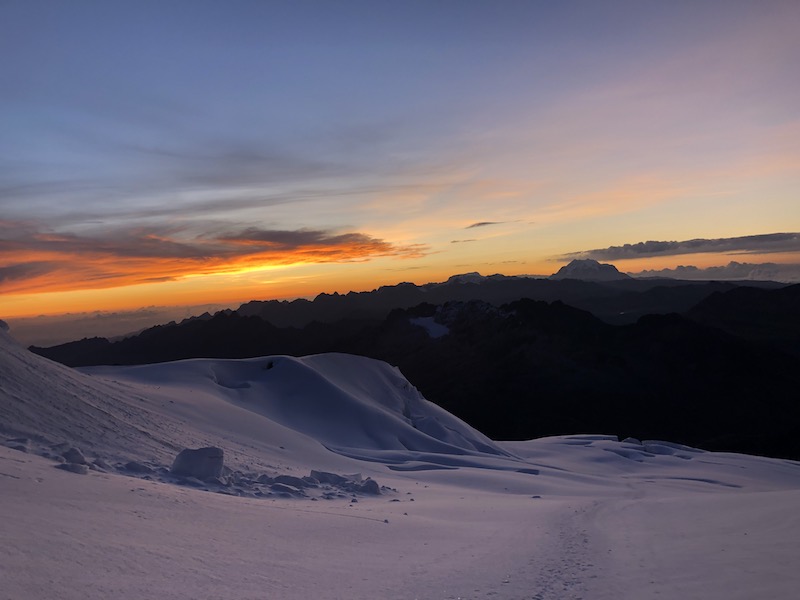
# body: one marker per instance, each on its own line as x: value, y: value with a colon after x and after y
x: 459, y: 516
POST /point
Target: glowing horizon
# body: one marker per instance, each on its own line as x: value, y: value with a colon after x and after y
x: 288, y: 282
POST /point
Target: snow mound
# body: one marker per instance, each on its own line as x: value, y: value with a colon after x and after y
x: 348, y: 403
x: 268, y: 414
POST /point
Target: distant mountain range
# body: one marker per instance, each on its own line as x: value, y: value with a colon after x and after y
x: 716, y: 365
x: 608, y: 294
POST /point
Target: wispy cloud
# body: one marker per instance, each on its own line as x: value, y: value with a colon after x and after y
x: 59, y: 261
x: 750, y: 244
x: 318, y: 245
x: 483, y: 224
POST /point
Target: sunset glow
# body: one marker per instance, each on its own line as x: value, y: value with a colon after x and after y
x: 197, y: 153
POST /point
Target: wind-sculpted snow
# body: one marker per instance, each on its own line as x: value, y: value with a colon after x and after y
x: 355, y: 406
x: 350, y: 404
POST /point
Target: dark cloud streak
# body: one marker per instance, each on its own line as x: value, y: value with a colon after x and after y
x: 123, y: 256
x: 751, y: 244
x: 483, y: 224
x: 22, y: 271
x: 317, y: 240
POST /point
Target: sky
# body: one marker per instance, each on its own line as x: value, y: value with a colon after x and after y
x: 193, y: 152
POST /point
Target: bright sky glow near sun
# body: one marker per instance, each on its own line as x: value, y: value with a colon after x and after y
x: 187, y: 152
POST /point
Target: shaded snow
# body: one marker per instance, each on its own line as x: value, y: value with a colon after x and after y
x: 435, y: 330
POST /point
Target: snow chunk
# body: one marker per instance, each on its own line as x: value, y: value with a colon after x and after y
x: 74, y: 456
x: 73, y: 468
x: 202, y: 463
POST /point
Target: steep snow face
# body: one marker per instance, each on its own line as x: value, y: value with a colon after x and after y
x: 589, y: 270
x: 51, y: 403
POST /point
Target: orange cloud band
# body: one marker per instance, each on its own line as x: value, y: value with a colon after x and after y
x: 38, y: 262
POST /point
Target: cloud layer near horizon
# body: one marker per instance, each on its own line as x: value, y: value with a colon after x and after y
x: 769, y: 243
x: 36, y: 259
x: 733, y: 271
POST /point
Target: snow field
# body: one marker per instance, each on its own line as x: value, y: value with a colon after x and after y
x: 459, y: 516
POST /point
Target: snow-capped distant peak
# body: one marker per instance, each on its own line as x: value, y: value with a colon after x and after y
x: 589, y: 270
x: 473, y: 277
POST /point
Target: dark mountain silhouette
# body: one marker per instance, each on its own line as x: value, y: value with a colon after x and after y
x: 528, y: 368
x: 768, y: 316
x: 617, y: 301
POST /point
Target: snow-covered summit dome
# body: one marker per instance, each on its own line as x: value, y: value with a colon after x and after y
x: 589, y: 270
